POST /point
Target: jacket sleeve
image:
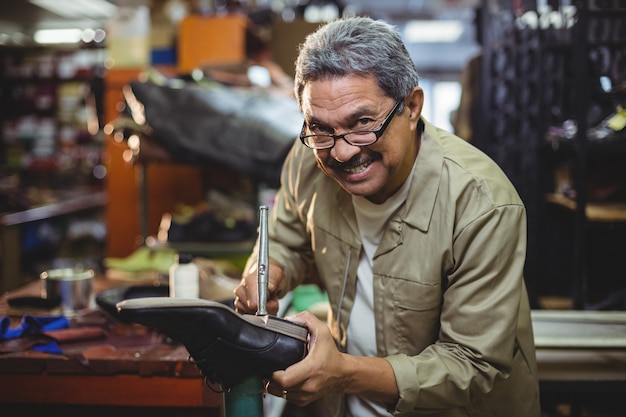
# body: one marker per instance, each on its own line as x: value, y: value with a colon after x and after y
x: 289, y: 241
x: 479, y: 318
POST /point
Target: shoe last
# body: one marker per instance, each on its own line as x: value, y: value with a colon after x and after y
x: 227, y: 347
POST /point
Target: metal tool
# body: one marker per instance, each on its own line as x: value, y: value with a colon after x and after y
x: 263, y: 265
x: 246, y: 399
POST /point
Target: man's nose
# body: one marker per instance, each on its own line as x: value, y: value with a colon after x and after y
x: 343, y: 151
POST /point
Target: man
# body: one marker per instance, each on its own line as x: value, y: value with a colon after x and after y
x: 418, y: 238
x: 466, y: 117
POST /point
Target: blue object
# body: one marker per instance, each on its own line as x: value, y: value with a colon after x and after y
x: 245, y: 399
x: 31, y: 325
x: 163, y: 56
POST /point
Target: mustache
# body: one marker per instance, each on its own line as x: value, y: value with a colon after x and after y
x: 352, y: 162
x: 333, y: 163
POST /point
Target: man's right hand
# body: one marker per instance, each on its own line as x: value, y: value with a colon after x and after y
x: 247, y: 292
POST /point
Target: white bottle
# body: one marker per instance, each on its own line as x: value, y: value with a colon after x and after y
x: 184, y: 278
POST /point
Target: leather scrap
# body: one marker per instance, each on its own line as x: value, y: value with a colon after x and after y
x: 27, y: 342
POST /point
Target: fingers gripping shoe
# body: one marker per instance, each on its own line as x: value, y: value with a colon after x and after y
x: 227, y: 347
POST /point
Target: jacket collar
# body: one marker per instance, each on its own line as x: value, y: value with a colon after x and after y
x: 418, y: 210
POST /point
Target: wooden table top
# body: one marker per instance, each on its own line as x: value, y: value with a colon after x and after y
x: 115, y: 347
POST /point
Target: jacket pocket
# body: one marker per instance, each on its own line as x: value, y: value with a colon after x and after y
x: 412, y: 314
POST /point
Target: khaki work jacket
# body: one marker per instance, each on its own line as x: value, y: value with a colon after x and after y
x: 450, y: 307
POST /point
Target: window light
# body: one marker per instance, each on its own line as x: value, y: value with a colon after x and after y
x: 58, y: 36
x: 433, y: 31
x: 93, y: 9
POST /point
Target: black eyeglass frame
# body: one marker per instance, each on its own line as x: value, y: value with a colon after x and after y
x: 378, y: 132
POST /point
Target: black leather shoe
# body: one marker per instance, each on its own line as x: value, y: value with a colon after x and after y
x: 227, y: 347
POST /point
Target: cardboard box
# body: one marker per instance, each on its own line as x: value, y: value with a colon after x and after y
x: 206, y: 40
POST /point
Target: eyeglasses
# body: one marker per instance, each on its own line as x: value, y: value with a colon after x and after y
x: 358, y: 138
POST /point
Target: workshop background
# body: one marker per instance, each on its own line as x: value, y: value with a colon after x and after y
x: 131, y: 130
x: 545, y: 80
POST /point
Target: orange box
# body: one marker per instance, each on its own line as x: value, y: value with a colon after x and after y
x: 211, y: 40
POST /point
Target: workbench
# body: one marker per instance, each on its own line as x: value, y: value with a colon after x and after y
x: 130, y: 371
x: 581, y: 358
x: 581, y: 355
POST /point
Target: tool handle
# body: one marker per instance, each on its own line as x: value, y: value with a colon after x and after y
x: 263, y: 266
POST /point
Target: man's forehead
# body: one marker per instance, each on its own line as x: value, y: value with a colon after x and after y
x: 344, y: 98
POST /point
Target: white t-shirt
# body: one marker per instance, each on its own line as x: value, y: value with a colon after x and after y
x: 361, y: 333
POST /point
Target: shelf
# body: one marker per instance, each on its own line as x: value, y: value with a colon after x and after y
x: 579, y: 329
x: 615, y: 142
x: 72, y: 205
x: 596, y: 212
x: 213, y: 249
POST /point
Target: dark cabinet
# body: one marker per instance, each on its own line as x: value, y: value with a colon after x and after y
x: 596, y: 197
x: 553, y: 92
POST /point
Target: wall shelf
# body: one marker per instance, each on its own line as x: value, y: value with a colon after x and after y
x: 68, y: 206
x: 595, y: 212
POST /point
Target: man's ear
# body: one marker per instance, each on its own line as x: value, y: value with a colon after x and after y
x: 415, y: 103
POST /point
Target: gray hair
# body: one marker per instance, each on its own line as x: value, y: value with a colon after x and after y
x: 361, y: 46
